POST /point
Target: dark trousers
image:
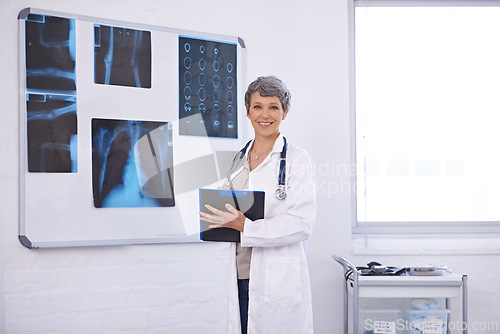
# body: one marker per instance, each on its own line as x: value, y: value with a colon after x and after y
x: 243, y: 298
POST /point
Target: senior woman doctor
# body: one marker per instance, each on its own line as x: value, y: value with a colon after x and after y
x: 270, y: 263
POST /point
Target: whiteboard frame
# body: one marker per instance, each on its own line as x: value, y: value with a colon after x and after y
x: 222, y: 144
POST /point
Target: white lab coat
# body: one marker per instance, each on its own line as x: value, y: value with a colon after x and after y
x: 280, y: 292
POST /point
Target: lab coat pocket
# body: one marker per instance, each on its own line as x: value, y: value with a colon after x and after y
x: 283, y: 280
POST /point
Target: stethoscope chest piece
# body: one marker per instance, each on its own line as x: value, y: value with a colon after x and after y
x: 280, y: 193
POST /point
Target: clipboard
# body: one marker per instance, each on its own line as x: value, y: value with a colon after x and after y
x: 250, y: 203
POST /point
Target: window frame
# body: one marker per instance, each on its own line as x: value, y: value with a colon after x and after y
x: 426, y: 228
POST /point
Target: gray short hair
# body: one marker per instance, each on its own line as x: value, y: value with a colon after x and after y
x: 269, y: 86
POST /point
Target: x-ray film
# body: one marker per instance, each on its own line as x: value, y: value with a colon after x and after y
x: 207, y: 88
x: 52, y: 133
x: 50, y: 54
x: 122, y: 56
x: 132, y: 163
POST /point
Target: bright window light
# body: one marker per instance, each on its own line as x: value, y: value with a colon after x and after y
x: 427, y: 89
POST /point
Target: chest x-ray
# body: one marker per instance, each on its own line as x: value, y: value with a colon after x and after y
x: 132, y: 163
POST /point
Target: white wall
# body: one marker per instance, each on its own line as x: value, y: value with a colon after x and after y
x: 180, y: 288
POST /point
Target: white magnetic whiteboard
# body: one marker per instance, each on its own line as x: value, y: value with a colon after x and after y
x: 120, y: 125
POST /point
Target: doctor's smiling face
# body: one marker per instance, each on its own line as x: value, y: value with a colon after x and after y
x: 265, y: 113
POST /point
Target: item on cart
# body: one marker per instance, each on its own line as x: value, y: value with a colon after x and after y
x: 378, y: 321
x: 376, y: 269
x: 424, y: 303
x: 429, y: 270
x: 426, y: 321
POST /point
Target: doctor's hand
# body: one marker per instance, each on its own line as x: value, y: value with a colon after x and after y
x: 232, y: 218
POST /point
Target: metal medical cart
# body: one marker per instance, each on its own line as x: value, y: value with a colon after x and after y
x: 385, y: 286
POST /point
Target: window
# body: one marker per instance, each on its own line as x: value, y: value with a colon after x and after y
x: 426, y: 116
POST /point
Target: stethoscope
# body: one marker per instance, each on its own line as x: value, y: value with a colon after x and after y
x: 280, y: 192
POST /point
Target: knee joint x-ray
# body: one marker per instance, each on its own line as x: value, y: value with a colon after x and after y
x: 122, y: 56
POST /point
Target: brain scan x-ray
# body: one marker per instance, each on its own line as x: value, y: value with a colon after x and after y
x: 132, y: 163
x: 50, y: 54
x: 207, y: 88
x: 122, y: 56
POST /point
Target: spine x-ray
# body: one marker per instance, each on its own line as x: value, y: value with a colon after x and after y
x: 50, y: 54
x: 52, y: 127
x: 51, y: 101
